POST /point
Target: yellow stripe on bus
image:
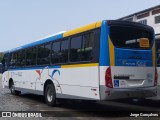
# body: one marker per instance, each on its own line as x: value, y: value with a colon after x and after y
x: 111, y: 52
x: 83, y: 29
x: 80, y: 65
x: 153, y: 55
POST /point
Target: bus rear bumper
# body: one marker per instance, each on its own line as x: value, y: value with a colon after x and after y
x: 111, y: 94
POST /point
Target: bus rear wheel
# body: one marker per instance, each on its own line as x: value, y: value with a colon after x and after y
x: 50, y: 95
x: 12, y: 89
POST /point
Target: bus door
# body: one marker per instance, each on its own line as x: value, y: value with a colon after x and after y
x: 5, y: 77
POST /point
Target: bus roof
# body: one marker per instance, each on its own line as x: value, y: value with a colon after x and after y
x: 83, y: 29
x: 58, y: 36
x: 38, y: 42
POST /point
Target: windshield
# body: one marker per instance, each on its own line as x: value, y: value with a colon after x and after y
x: 131, y: 37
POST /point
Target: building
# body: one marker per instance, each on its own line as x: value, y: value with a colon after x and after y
x: 149, y: 16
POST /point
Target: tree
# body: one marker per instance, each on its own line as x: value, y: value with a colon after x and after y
x: 1, y: 56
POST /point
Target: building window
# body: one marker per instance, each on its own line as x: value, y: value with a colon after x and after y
x: 143, y: 22
x: 157, y: 19
x: 155, y: 11
x: 143, y: 15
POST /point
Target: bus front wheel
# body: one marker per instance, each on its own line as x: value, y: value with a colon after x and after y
x: 12, y: 89
x: 50, y: 95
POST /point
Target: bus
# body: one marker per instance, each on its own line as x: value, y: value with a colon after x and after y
x: 105, y: 60
x: 157, y: 40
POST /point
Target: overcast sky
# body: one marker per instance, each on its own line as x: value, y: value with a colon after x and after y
x: 25, y: 21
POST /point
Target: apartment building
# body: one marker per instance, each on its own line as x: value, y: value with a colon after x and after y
x: 149, y: 16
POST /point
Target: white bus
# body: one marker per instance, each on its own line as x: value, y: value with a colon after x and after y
x: 101, y: 61
x: 157, y: 36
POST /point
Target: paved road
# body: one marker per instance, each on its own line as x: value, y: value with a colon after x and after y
x: 28, y: 102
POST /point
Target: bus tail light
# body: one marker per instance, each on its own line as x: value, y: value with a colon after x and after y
x: 108, y: 78
x: 155, y: 77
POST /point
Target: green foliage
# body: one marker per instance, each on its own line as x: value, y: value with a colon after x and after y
x: 1, y: 56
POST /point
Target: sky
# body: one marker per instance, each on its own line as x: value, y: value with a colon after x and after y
x: 25, y: 21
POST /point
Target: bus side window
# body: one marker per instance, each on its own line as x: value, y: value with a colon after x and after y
x: 158, y: 52
x: 12, y: 60
x: 158, y: 60
x: 5, y: 62
x: 64, y: 51
x: 87, y: 47
x: 75, y: 52
x: 21, y: 58
x: 44, y: 54
x: 31, y: 56
x: 55, y: 52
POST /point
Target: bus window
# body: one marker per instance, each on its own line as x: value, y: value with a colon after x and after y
x: 21, y: 58
x: 12, y: 61
x: 5, y: 62
x: 158, y: 59
x: 31, y: 56
x: 55, y: 53
x: 158, y: 52
x: 75, y: 52
x: 64, y: 51
x: 130, y: 37
x: 44, y: 54
x: 87, y: 47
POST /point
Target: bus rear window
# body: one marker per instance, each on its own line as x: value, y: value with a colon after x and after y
x: 131, y: 37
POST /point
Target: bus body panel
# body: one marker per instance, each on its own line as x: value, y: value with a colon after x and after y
x: 127, y: 88
x: 158, y: 83
x: 5, y: 79
x: 132, y: 77
x: 158, y: 70
x: 132, y: 57
x: 82, y: 82
x: 111, y: 94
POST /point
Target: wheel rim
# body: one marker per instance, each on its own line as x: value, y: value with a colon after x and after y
x: 12, y: 88
x: 50, y: 95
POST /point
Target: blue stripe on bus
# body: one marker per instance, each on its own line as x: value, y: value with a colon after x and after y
x: 123, y: 57
x: 33, y: 68
x: 45, y: 40
x: 104, y: 46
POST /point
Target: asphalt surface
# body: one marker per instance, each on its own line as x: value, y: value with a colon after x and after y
x: 76, y: 110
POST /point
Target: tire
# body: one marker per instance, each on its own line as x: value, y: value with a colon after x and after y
x: 12, y: 89
x: 50, y: 95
